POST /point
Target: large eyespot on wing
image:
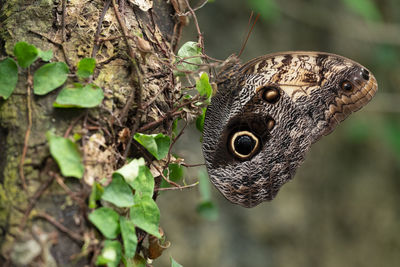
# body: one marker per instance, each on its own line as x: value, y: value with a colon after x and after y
x: 355, y: 89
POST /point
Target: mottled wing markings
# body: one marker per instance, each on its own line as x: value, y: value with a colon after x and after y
x: 312, y: 102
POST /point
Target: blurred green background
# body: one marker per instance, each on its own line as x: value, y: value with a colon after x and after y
x: 343, y: 207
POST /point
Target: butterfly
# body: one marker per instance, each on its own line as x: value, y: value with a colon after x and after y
x: 267, y: 113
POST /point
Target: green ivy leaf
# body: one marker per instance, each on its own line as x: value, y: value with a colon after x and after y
x: 156, y: 144
x: 146, y: 215
x: 174, y: 263
x: 8, y: 77
x: 49, y: 77
x: 129, y: 237
x: 86, y: 67
x: 175, y: 172
x: 67, y: 155
x: 130, y: 171
x: 191, y: 53
x: 119, y: 193
x: 106, y: 220
x: 25, y: 53
x: 200, y: 120
x: 46, y: 55
x: 97, y: 192
x: 144, y: 182
x: 110, y: 254
x: 79, y: 97
x: 203, y: 86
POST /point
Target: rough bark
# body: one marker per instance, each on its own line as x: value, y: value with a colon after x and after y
x: 26, y: 214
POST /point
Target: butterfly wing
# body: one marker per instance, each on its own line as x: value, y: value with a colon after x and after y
x: 268, y: 112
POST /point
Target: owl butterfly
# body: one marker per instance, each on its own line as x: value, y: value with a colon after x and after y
x: 267, y: 113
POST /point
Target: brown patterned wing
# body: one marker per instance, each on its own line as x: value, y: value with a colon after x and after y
x: 268, y: 112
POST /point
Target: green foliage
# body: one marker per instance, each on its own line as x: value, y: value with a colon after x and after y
x: 146, y: 215
x: 97, y: 192
x: 207, y: 209
x: 106, y: 220
x: 119, y: 193
x: 174, y: 263
x: 8, y: 77
x: 129, y: 237
x: 67, y: 155
x: 130, y: 171
x: 86, y: 67
x: 80, y: 96
x: 49, y: 77
x: 25, y: 53
x: 111, y: 254
x: 200, y: 120
x: 191, y: 53
x: 144, y: 182
x: 45, y: 55
x: 365, y: 8
x: 174, y: 173
x: 156, y: 144
x: 203, y: 86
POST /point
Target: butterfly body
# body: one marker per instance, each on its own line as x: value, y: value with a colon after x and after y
x: 267, y: 113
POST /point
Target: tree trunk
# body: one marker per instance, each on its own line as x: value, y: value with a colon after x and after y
x: 43, y: 216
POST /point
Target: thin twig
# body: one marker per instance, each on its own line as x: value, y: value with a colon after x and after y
x: 56, y: 43
x: 181, y: 187
x: 98, y: 30
x: 34, y: 199
x: 192, y: 165
x: 28, y: 130
x: 72, y: 125
x: 74, y: 236
x: 64, y: 7
x: 196, y: 23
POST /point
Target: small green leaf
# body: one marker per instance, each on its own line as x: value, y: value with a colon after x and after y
x: 8, y: 77
x: 144, y: 182
x: 79, y: 97
x: 156, y: 144
x: 110, y: 254
x: 128, y: 236
x: 130, y: 171
x: 146, y: 215
x: 49, y: 76
x: 46, y: 55
x: 174, y: 263
x: 97, y: 192
x: 67, y: 155
x: 203, y: 85
x: 200, y: 120
x: 191, y: 53
x: 208, y: 210
x: 86, y: 67
x: 119, y: 193
x: 174, y: 173
x: 106, y: 220
x: 25, y: 53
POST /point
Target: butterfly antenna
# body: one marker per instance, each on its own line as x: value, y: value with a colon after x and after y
x: 249, y: 31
